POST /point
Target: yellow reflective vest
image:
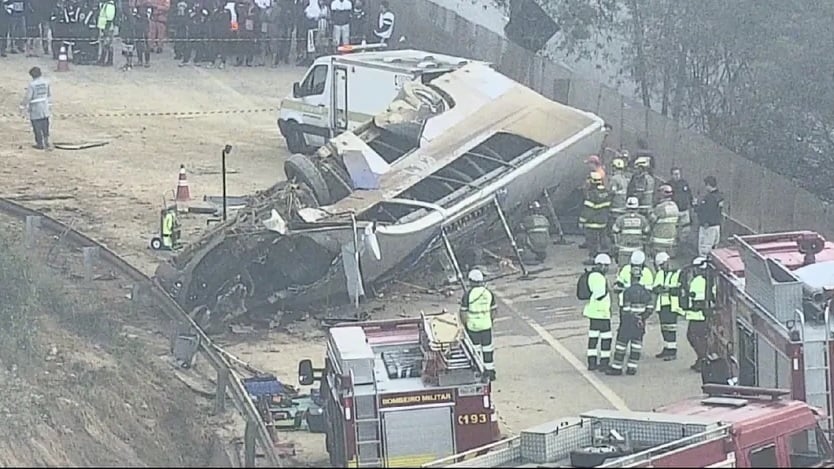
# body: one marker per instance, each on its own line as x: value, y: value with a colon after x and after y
x: 697, y: 298
x: 671, y: 281
x: 478, y: 306
x: 599, y: 306
x: 624, y: 278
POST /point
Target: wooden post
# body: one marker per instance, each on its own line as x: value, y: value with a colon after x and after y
x: 90, y: 256
x: 249, y: 445
x: 220, y: 393
x: 33, y: 223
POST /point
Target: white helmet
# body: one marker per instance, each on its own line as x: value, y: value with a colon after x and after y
x: 638, y: 258
x: 661, y: 258
x: 602, y: 259
x: 632, y: 202
x: 699, y: 261
x: 475, y: 275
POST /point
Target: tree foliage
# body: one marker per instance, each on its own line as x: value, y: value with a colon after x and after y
x: 754, y: 75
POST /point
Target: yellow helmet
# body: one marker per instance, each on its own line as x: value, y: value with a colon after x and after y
x: 618, y: 163
x: 642, y: 162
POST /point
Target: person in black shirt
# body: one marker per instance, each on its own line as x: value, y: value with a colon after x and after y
x: 709, y: 217
x: 358, y: 23
x: 682, y: 196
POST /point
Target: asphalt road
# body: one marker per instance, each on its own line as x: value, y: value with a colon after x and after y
x: 540, y: 338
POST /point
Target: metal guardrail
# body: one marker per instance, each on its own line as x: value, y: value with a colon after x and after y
x: 227, y: 380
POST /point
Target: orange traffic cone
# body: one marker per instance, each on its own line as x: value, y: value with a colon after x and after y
x: 183, y: 194
x: 63, y: 63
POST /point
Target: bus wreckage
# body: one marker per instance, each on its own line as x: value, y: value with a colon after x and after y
x: 375, y: 200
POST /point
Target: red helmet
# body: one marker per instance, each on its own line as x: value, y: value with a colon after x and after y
x: 594, y: 159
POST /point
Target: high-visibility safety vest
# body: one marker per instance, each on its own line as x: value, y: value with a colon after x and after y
x: 624, y: 277
x: 479, y: 310
x: 594, y: 214
x: 631, y: 230
x: 599, y: 306
x: 697, y: 302
x: 106, y: 15
x: 671, y: 280
x: 664, y: 220
x: 168, y: 224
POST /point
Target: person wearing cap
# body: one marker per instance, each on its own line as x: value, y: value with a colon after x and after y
x: 630, y: 232
x: 694, y: 306
x: 709, y: 210
x: 477, y: 310
x: 594, y: 217
x: 667, y: 286
x: 598, y: 312
x: 637, y: 263
x: 36, y: 106
x: 618, y: 185
x: 642, y: 184
x: 664, y: 219
x: 535, y: 229
x: 637, y: 305
x: 595, y: 165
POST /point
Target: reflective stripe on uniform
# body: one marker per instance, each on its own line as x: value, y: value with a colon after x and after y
x: 478, y: 317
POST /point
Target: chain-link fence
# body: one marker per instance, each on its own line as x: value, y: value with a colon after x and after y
x: 758, y: 199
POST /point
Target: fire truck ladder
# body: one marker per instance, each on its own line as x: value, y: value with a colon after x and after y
x: 818, y: 369
x: 368, y: 436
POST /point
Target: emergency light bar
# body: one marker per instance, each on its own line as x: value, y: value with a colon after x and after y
x: 350, y: 48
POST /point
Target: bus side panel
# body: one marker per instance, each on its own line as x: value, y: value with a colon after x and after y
x: 370, y: 91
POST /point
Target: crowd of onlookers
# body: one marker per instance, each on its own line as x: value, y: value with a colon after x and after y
x: 207, y: 32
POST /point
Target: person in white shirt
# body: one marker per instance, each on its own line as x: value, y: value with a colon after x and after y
x: 385, y: 23
x: 340, y: 15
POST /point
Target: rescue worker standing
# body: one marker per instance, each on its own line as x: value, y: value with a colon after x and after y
x: 594, y: 217
x: 637, y: 306
x: 477, y: 307
x: 170, y: 230
x: 625, y: 278
x: 596, y: 166
x: 667, y: 287
x: 105, y: 24
x: 696, y: 295
x: 642, y: 185
x: 536, y: 235
x: 618, y: 185
x: 664, y: 219
x: 598, y: 312
x: 35, y: 106
x: 630, y: 232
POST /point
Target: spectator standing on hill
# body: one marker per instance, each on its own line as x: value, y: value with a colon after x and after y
x: 286, y: 28
x: 385, y: 23
x: 5, y: 25
x: 17, y: 24
x: 358, y: 22
x: 341, y: 12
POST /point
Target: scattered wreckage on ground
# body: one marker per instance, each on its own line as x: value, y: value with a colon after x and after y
x: 374, y: 201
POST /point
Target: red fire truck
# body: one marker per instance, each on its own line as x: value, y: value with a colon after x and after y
x: 733, y: 426
x: 398, y: 393
x: 772, y: 313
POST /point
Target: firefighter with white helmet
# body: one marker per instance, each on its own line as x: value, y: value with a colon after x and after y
x: 667, y: 287
x: 630, y: 232
x: 593, y: 288
x: 594, y: 216
x: 477, y: 310
x: 694, y: 306
x: 642, y: 184
x: 637, y: 263
x: 664, y: 219
x: 535, y: 235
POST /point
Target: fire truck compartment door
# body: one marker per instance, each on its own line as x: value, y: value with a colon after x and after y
x: 415, y: 437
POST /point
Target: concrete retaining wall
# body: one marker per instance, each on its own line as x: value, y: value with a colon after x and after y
x: 758, y: 199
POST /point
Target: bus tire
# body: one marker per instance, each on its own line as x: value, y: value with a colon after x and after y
x: 301, y: 169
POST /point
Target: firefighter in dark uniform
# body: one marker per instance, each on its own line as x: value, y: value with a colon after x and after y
x: 667, y: 287
x: 594, y: 217
x: 695, y: 303
x: 535, y: 228
x: 637, y: 306
x: 642, y: 185
x: 477, y: 308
